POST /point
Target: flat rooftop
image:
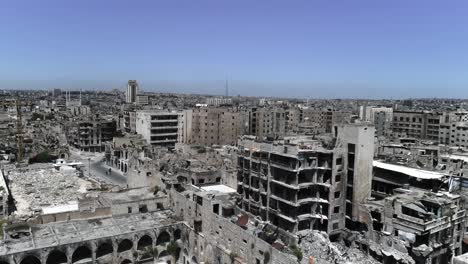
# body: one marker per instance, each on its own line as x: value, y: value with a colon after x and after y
x: 218, y: 188
x: 413, y: 172
x: 52, y: 234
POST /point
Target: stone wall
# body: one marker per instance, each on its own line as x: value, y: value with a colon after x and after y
x: 215, y: 239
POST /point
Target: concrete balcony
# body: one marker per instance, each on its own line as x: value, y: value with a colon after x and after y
x: 292, y: 203
x: 164, y: 134
x: 295, y: 187
x: 311, y: 216
x: 164, y: 141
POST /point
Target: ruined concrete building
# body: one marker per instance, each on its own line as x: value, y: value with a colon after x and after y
x: 387, y: 177
x: 212, y: 126
x: 124, y: 239
x: 299, y: 184
x: 267, y: 122
x: 417, y: 124
x: 430, y: 225
x: 381, y: 117
x: 160, y: 127
x: 119, y: 150
x: 326, y: 118
x: 91, y: 135
x: 223, y: 235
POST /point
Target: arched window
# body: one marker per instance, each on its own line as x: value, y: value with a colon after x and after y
x: 164, y: 237
x: 30, y: 260
x: 104, y: 249
x: 125, y: 245
x: 56, y: 257
x: 82, y: 252
x: 145, y: 241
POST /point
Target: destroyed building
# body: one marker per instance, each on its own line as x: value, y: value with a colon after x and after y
x: 118, y: 151
x: 387, y: 177
x: 160, y: 128
x: 39, y: 187
x: 430, y: 225
x: 212, y: 126
x: 91, y: 135
x: 299, y: 184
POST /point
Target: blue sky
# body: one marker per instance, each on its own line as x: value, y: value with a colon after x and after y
x: 317, y: 49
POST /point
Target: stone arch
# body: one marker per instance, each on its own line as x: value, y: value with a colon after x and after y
x: 163, y: 253
x: 144, y: 241
x: 30, y: 259
x: 163, y: 237
x: 125, y: 245
x: 82, y: 252
x: 57, y: 257
x: 104, y: 249
x: 177, y: 234
x: 126, y: 261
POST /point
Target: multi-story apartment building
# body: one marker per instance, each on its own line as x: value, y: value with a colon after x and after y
x: 159, y: 127
x: 300, y: 183
x: 213, y: 126
x: 267, y: 122
x: 326, y: 118
x: 216, y: 101
x: 132, y: 92
x: 293, y: 119
x: 454, y: 130
x: 430, y: 224
x: 92, y: 135
x: 454, y: 134
x: 128, y: 121
x: 381, y: 117
x: 417, y: 124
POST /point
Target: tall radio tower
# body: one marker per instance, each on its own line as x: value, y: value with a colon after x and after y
x: 227, y: 88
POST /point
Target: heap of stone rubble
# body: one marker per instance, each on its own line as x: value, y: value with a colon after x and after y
x: 317, y: 245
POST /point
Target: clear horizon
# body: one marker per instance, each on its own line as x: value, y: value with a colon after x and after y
x: 301, y: 49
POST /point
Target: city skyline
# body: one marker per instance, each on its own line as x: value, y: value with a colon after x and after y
x: 306, y: 49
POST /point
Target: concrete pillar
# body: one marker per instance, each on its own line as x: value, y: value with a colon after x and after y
x: 69, y: 253
x: 93, y: 251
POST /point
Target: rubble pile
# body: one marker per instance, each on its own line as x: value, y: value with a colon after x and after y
x: 317, y: 245
x: 37, y: 188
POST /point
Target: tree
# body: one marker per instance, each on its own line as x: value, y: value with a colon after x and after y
x: 172, y: 248
x: 296, y: 251
x: 151, y: 251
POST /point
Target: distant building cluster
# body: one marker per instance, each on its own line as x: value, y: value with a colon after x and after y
x: 132, y: 177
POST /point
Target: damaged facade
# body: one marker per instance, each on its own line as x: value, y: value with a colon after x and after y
x: 301, y: 184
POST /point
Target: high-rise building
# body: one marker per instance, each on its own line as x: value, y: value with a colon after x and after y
x: 326, y: 118
x: 381, y: 117
x: 159, y: 128
x: 300, y: 183
x: 454, y: 129
x: 417, y: 124
x: 132, y: 91
x: 213, y: 126
x: 267, y: 122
